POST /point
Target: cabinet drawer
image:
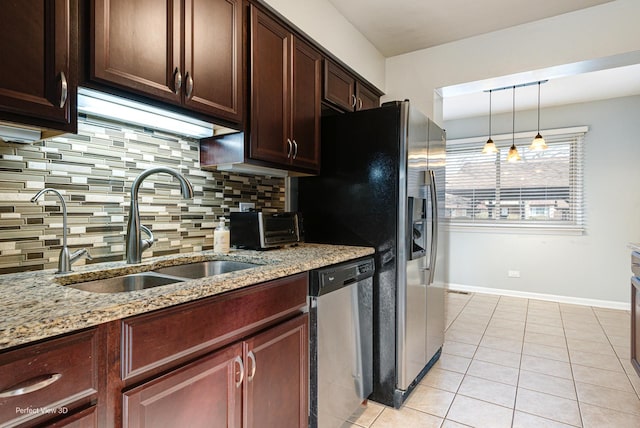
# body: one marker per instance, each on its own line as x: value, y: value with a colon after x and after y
x: 49, y: 378
x: 157, y: 341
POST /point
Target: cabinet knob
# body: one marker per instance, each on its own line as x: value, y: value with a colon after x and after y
x: 295, y: 149
x: 189, y: 89
x: 359, y: 103
x: 177, y: 80
x: 290, y: 148
x: 64, y: 89
x: 252, y: 357
x: 30, y: 385
x: 353, y: 101
x: 239, y: 372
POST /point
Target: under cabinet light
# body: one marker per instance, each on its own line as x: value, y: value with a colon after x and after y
x: 124, y: 110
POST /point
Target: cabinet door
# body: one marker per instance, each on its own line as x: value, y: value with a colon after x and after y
x: 339, y: 87
x: 305, y: 99
x: 213, y: 57
x: 203, y: 394
x: 39, y: 50
x: 87, y: 418
x: 366, y: 99
x: 270, y: 65
x: 277, y: 372
x: 137, y: 45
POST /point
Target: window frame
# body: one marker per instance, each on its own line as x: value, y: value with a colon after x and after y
x: 575, y: 136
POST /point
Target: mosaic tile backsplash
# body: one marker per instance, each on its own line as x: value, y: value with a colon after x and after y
x: 94, y: 171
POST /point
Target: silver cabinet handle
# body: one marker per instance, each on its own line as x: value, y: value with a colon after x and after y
x: 189, y: 88
x: 359, y: 103
x: 354, y: 100
x: 295, y: 149
x: 64, y: 89
x: 241, y: 371
x: 177, y: 80
x: 290, y: 149
x: 252, y: 357
x: 31, y: 385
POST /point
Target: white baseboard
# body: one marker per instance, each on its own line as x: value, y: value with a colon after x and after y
x: 609, y: 304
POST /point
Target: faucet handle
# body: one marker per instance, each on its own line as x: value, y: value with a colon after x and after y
x: 80, y: 253
x: 146, y: 243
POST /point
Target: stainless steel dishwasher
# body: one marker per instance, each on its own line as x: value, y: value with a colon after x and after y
x: 341, y: 341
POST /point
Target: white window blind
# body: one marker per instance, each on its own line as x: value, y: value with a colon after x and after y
x: 544, y: 189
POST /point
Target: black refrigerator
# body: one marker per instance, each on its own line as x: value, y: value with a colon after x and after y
x: 382, y: 185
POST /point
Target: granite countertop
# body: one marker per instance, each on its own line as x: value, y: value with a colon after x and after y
x: 37, y: 305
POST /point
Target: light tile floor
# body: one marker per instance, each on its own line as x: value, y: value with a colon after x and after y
x: 513, y: 362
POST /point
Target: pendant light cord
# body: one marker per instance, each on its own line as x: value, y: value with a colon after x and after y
x: 539, y: 108
x: 490, y: 114
x: 513, y: 134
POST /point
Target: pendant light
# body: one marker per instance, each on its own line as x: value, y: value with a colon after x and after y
x: 513, y: 155
x: 538, y: 142
x: 490, y: 146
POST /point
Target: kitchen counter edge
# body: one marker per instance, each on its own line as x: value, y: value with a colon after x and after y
x: 36, y: 306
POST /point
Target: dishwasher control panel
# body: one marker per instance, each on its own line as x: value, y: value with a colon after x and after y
x: 333, y: 277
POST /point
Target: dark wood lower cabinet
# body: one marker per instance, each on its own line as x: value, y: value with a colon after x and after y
x: 276, y: 385
x: 87, y: 418
x: 238, y: 359
x: 259, y: 382
x: 235, y: 360
x: 207, y: 393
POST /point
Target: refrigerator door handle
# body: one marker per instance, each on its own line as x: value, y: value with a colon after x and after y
x: 434, y: 225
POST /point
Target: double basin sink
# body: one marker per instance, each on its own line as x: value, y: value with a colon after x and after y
x: 162, y: 276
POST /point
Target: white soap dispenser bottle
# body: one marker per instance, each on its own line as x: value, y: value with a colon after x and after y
x: 221, y: 238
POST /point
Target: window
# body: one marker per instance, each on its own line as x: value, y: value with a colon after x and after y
x: 544, y: 189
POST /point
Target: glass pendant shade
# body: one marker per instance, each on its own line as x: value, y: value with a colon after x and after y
x: 489, y: 147
x: 513, y: 155
x: 538, y: 143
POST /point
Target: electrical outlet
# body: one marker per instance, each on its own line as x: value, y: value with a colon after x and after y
x: 246, y: 206
x: 513, y: 274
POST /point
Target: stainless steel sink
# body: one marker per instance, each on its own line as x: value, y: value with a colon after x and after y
x: 118, y: 284
x: 202, y: 269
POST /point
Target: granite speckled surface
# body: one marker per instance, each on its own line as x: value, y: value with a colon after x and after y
x: 38, y: 305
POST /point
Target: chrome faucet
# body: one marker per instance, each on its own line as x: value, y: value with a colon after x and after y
x: 135, y: 245
x: 65, y: 260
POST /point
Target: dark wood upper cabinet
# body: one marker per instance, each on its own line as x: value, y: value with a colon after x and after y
x: 38, y: 80
x: 187, y: 52
x: 213, y: 57
x: 345, y: 92
x: 270, y: 69
x: 285, y: 96
x: 367, y: 98
x: 306, y: 105
x: 137, y: 45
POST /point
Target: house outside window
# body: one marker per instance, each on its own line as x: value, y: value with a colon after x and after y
x: 543, y: 190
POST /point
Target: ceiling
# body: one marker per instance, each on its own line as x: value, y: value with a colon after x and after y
x: 395, y: 27
x: 400, y: 26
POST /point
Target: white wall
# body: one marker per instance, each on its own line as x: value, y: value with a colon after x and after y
x: 322, y: 22
x: 596, y: 32
x: 595, y: 265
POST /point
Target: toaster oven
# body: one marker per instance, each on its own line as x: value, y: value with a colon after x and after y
x: 259, y: 231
